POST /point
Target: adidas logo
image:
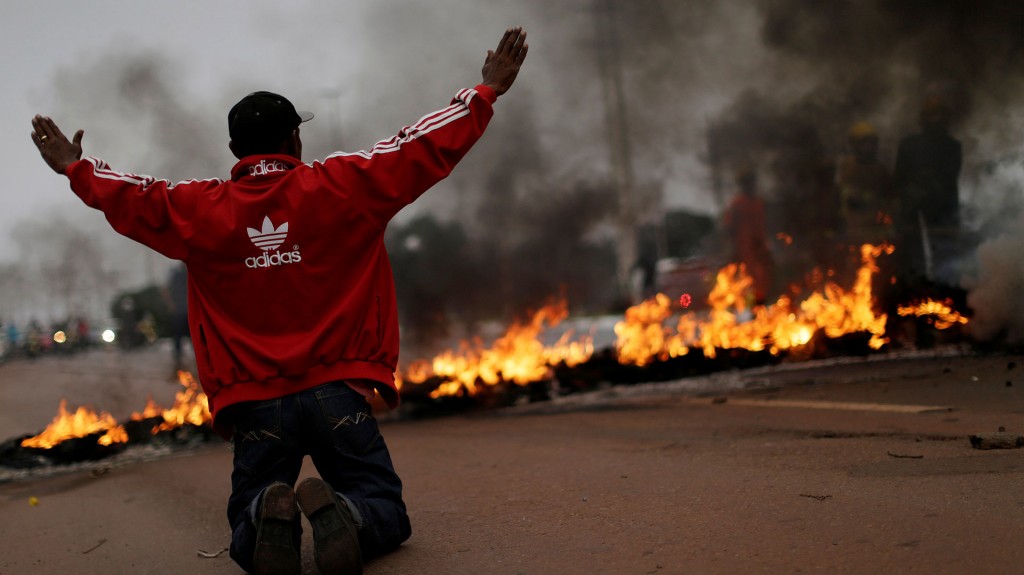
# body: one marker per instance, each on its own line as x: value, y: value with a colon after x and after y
x: 268, y: 239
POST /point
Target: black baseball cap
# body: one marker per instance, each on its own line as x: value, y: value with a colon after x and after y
x: 264, y: 117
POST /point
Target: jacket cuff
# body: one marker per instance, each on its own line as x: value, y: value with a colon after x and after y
x: 73, y: 167
x: 487, y: 93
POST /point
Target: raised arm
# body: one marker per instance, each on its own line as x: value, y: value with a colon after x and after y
x: 396, y: 171
x: 139, y: 207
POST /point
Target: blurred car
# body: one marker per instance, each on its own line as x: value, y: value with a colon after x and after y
x: 694, y: 276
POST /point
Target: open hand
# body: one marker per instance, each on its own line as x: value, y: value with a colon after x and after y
x: 502, y: 65
x: 57, y: 151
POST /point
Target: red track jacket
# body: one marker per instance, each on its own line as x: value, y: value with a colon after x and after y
x: 289, y: 282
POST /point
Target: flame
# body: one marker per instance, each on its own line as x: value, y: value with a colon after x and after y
x: 839, y: 313
x: 151, y: 410
x: 517, y: 356
x: 643, y: 336
x: 646, y: 334
x: 190, y: 406
x: 81, y: 423
x: 944, y: 316
x: 732, y: 323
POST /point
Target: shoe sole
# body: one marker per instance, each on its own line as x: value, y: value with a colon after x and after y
x: 335, y: 542
x: 276, y: 553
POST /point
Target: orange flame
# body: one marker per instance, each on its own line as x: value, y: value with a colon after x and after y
x: 190, y: 406
x: 943, y: 314
x: 839, y: 313
x: 518, y: 356
x: 83, y: 422
x: 643, y: 336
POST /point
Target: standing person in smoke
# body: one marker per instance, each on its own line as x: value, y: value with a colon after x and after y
x: 927, y: 177
x: 868, y: 201
x: 292, y: 307
x: 745, y: 226
x: 177, y: 301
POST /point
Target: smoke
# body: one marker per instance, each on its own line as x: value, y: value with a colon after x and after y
x: 833, y: 64
x: 709, y: 87
x: 137, y: 117
x: 995, y: 293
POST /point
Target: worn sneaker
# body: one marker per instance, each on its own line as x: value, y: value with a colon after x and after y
x: 335, y: 542
x: 277, y: 549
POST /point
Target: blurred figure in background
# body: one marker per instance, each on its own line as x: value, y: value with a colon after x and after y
x: 926, y: 179
x: 868, y: 206
x: 868, y: 201
x: 13, y: 338
x: 744, y: 224
x: 177, y: 303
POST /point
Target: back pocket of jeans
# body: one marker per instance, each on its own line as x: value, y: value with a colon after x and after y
x: 258, y: 420
x: 347, y: 416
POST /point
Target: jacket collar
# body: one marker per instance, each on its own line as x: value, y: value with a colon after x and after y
x: 263, y: 165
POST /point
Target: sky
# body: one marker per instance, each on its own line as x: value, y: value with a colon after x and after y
x: 47, y: 39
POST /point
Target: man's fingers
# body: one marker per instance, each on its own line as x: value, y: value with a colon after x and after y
x: 504, y: 41
x: 53, y: 129
x: 78, y: 138
x: 37, y: 130
x: 42, y: 127
x: 508, y: 41
x: 522, y: 54
x: 517, y: 46
x: 45, y: 128
x: 39, y: 136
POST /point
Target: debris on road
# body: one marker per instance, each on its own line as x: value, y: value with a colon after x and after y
x: 94, y: 547
x: 903, y: 456
x: 997, y: 441
x: 208, y: 555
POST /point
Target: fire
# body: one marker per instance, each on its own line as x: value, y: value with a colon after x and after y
x: 732, y: 323
x: 190, y: 406
x: 643, y: 337
x: 653, y: 330
x: 83, y: 422
x: 839, y: 313
x: 518, y: 356
x: 943, y: 314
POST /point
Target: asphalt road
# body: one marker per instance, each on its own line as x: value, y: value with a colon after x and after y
x: 828, y: 467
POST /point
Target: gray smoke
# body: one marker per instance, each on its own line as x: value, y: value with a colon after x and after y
x: 995, y: 294
x: 137, y: 118
x: 708, y: 86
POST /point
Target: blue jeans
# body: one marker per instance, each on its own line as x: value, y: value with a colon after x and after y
x: 332, y: 424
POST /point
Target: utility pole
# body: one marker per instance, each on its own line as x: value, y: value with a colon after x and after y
x: 610, y: 66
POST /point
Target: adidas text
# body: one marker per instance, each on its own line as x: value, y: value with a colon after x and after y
x: 274, y: 259
x: 263, y: 168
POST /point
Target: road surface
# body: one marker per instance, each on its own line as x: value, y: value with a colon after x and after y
x: 829, y: 467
